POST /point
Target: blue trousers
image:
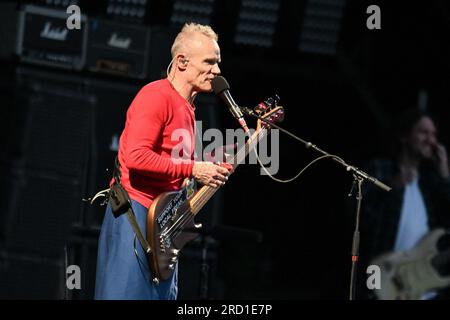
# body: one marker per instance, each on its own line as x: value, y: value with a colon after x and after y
x: 121, y: 274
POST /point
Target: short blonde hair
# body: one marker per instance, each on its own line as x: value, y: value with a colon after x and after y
x: 187, y: 31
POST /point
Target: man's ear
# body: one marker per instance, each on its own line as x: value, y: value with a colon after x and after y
x: 182, y: 62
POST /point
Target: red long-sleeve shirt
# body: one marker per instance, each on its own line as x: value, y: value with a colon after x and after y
x: 159, y: 122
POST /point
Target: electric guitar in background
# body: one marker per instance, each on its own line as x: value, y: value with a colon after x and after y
x: 170, y: 218
x: 408, y: 275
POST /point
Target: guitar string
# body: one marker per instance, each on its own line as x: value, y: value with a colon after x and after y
x: 186, y: 216
x: 183, y: 215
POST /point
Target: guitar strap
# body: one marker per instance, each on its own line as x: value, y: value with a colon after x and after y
x: 121, y: 203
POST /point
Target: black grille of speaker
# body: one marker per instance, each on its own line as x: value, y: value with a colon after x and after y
x: 27, y: 277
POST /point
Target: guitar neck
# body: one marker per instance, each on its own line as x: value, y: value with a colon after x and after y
x: 205, y: 193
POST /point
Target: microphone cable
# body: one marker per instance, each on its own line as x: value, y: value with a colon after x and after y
x: 298, y: 174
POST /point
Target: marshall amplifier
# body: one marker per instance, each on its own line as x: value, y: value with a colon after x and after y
x: 44, y: 38
x: 117, y: 48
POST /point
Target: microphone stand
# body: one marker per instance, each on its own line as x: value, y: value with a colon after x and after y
x: 359, y: 177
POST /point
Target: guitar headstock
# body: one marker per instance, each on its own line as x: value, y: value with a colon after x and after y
x: 270, y: 111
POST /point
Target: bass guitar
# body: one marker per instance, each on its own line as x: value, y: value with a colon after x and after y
x: 170, y: 218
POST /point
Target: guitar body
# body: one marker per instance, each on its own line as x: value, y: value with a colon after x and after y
x: 170, y: 225
x: 408, y: 275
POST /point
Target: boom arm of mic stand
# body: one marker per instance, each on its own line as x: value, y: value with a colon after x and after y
x: 356, y: 171
x: 358, y: 175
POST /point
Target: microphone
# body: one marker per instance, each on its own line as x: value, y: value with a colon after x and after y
x: 222, y: 89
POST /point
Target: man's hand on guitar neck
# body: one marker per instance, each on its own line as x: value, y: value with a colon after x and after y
x: 210, y: 174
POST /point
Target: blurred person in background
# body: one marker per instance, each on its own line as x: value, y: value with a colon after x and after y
x: 404, y: 231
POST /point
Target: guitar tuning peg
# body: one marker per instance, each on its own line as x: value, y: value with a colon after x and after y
x: 260, y: 108
x: 267, y: 105
x: 270, y: 102
x: 277, y: 99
